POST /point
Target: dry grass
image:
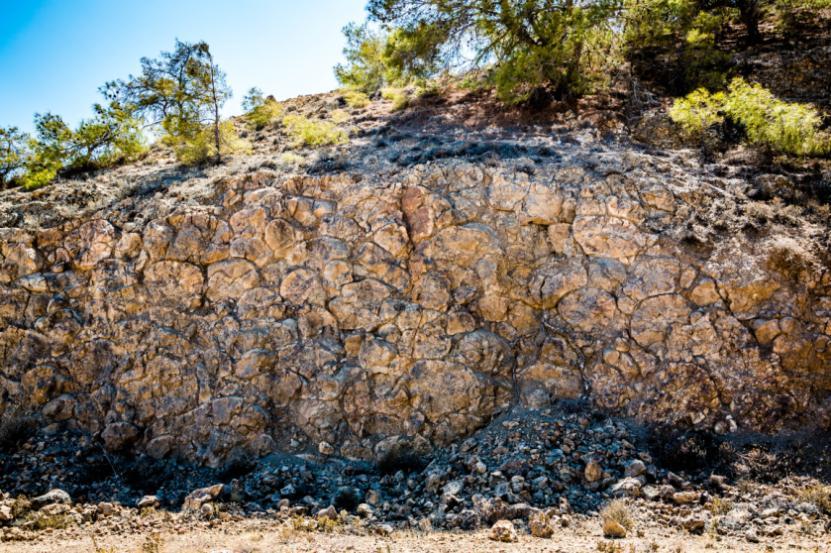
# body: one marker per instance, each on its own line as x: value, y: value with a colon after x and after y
x: 153, y: 544
x: 101, y: 548
x: 618, y: 511
x: 322, y: 524
x: 292, y: 159
x: 39, y: 521
x: 719, y: 506
x: 818, y: 495
x: 609, y: 547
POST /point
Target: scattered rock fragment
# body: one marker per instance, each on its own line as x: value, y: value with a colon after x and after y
x: 686, y: 498
x: 540, y: 525
x: 148, y: 501
x: 503, y: 531
x: 593, y: 471
x: 51, y: 497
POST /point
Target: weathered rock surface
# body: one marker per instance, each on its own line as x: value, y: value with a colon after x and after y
x: 421, y: 302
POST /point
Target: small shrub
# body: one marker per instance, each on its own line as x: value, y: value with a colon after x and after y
x: 201, y: 147
x: 313, y: 133
x: 355, y: 98
x: 399, y: 98
x: 39, y: 173
x: 697, y: 111
x: 429, y: 89
x: 339, y: 116
x: 609, y: 547
x: 323, y: 524
x: 42, y: 521
x: 720, y: 506
x: 291, y: 158
x: 617, y: 511
x: 818, y: 495
x: 152, y: 544
x: 261, y: 115
x: 785, y: 127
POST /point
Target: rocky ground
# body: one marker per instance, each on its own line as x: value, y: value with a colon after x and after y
x: 560, y: 479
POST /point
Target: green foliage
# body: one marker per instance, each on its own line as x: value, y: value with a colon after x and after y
x: 698, y: 111
x: 795, y: 17
x: 313, y: 133
x: 264, y: 113
x: 355, y: 98
x: 398, y: 96
x: 803, y: 4
x: 571, y: 55
x: 260, y: 111
x: 198, y: 146
x: 339, y: 116
x: 535, y: 48
x: 182, y: 91
x: 563, y: 46
x: 13, y: 153
x: 110, y: 137
x: 657, y: 23
x: 40, y: 171
x: 377, y: 59
x: 53, y: 144
x: 705, y: 65
x: 785, y: 127
x: 252, y: 99
x: 678, y: 42
x: 366, y: 69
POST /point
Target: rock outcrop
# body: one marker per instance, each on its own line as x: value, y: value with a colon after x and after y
x: 424, y: 301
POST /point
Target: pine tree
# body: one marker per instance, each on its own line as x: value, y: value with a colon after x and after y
x: 182, y: 91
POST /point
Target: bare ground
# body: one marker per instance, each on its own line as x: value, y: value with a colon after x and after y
x: 264, y: 536
x: 268, y: 537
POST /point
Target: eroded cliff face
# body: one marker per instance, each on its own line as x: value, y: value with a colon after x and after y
x: 421, y: 301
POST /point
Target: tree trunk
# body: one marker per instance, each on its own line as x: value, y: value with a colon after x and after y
x: 749, y: 14
x: 217, y: 139
x: 217, y: 134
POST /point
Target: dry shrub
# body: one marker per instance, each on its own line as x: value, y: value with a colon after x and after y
x: 614, y: 516
x: 16, y: 425
x: 817, y: 494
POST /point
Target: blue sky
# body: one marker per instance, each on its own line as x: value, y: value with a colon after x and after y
x: 54, y: 54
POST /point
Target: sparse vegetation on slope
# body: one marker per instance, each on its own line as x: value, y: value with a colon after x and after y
x: 785, y: 127
x: 313, y: 133
x: 260, y: 111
